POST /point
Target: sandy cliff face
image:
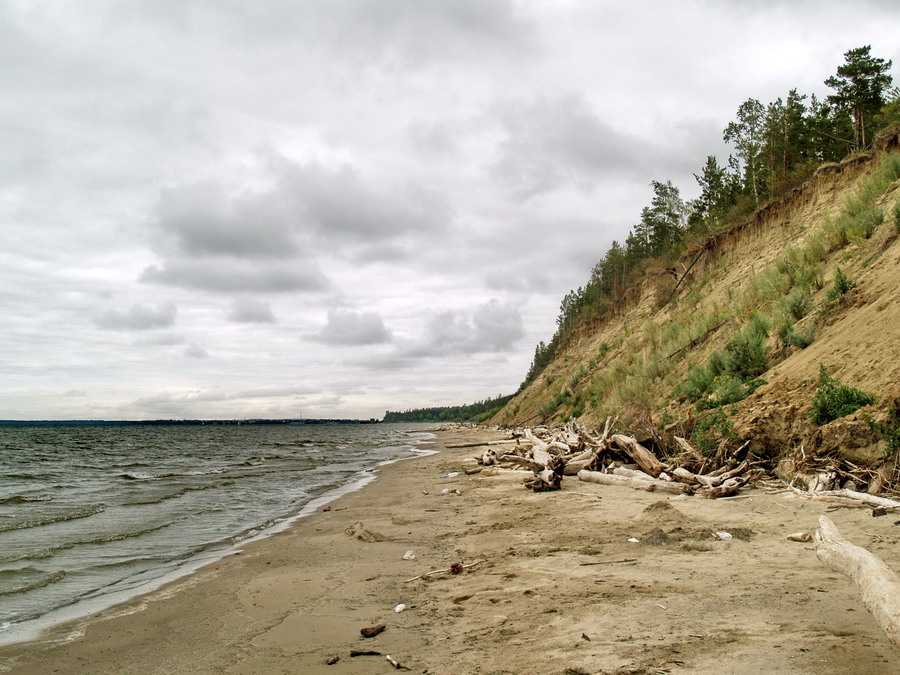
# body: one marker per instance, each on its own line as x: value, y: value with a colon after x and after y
x: 636, y: 360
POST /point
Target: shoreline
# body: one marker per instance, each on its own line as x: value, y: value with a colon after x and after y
x: 561, y: 589
x: 33, y: 630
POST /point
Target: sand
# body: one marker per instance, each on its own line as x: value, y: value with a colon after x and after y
x: 561, y: 589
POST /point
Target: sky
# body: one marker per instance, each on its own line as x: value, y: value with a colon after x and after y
x: 334, y: 208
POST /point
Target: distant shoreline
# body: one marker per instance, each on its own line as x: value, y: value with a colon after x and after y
x: 113, y: 423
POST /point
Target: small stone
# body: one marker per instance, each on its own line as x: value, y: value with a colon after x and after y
x: 880, y: 511
x: 331, y: 660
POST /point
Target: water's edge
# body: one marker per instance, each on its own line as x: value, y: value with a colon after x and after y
x: 37, y: 629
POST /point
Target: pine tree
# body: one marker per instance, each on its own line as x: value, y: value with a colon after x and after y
x: 859, y: 87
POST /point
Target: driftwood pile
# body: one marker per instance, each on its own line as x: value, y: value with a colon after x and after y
x: 616, y: 459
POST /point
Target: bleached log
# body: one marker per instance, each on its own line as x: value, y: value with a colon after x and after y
x: 865, y: 498
x: 685, y: 476
x: 560, y: 447
x: 488, y: 457
x: 631, y: 473
x: 878, y: 583
x: 651, y: 485
x: 821, y: 482
x: 523, y: 461
x: 541, y: 456
x: 573, y: 466
x: 645, y: 459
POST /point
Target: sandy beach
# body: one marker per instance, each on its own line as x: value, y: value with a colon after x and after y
x: 551, y: 584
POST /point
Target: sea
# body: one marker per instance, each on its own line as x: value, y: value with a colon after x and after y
x: 92, y: 515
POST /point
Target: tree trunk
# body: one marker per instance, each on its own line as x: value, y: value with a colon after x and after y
x: 878, y: 583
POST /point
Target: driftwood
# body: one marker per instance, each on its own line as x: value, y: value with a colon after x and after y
x: 631, y: 473
x: 726, y: 489
x: 480, y: 443
x: 644, y: 458
x: 861, y: 497
x: 651, y: 485
x: 878, y: 583
x: 488, y: 457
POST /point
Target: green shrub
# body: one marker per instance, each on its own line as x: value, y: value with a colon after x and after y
x: 790, y: 336
x: 798, y: 304
x: 833, y: 400
x: 699, y: 380
x: 717, y: 364
x: 842, y: 285
x: 712, y: 429
x: 729, y: 390
x: 864, y: 222
x: 890, y: 430
x: 747, y: 354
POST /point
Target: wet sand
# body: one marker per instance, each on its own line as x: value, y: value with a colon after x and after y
x: 559, y: 589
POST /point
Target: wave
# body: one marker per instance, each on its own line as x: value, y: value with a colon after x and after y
x: 173, y: 474
x: 42, y: 579
x: 50, y: 551
x: 179, y: 493
x: 23, y: 499
x: 83, y: 512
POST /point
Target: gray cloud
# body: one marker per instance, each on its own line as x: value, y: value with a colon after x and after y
x: 195, y: 351
x: 339, y: 205
x: 204, y: 220
x: 138, y: 317
x: 228, y: 275
x: 348, y: 328
x: 557, y: 141
x: 493, y: 327
x: 163, y: 340
x: 250, y: 310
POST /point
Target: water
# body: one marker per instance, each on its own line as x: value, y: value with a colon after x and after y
x: 91, y: 513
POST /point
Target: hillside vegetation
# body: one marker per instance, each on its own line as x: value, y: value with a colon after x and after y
x: 768, y: 310
x: 730, y: 342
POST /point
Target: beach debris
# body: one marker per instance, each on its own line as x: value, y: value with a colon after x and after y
x: 361, y: 532
x: 397, y: 665
x: 399, y: 608
x: 609, y: 562
x: 638, y: 461
x: 331, y: 660
x: 724, y: 536
x: 409, y: 555
x: 364, y: 652
x: 372, y: 631
x: 879, y: 585
x: 633, y: 540
x: 800, y: 536
x: 452, y: 474
x: 447, y: 570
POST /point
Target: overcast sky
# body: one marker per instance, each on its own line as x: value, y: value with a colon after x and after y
x: 331, y: 208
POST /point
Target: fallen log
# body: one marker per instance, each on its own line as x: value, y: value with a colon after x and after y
x: 878, y: 583
x: 685, y: 476
x: 651, y: 485
x: 865, y: 498
x: 644, y: 458
x: 573, y: 466
x: 726, y: 489
x: 480, y: 443
x: 631, y: 473
x: 523, y: 461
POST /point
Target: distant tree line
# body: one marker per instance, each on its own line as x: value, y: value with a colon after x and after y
x: 473, y: 412
x: 776, y: 147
